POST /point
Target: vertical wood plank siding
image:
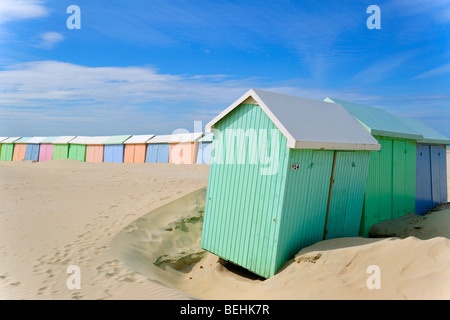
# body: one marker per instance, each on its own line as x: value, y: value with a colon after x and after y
x: 60, y: 151
x: 77, y: 152
x: 243, y: 206
x: 391, y: 182
x: 7, y: 152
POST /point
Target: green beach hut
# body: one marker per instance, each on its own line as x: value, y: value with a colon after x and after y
x: 7, y: 152
x: 1, y: 139
x: 285, y: 172
x: 61, y: 147
x: 77, y: 148
x: 7, y: 148
x: 391, y: 183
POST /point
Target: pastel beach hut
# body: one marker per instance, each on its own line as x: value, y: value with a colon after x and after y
x: 286, y: 172
x: 95, y: 147
x: 431, y: 166
x: 32, y: 149
x: 61, y: 147
x: 46, y: 149
x: 136, y: 148
x: 114, y: 148
x: 391, y: 183
x: 1, y: 139
x: 158, y: 149
x: 204, y: 148
x: 77, y: 148
x: 7, y: 150
x: 184, y: 147
x: 20, y: 148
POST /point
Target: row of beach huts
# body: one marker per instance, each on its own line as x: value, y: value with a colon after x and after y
x: 184, y: 148
x: 285, y: 172
x: 343, y: 167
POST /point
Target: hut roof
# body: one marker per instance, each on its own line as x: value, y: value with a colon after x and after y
x: 429, y: 134
x: 90, y: 140
x: 36, y: 140
x: 63, y: 139
x: 307, y: 123
x: 10, y: 139
x: 3, y: 138
x: 49, y: 140
x: 117, y: 139
x: 22, y: 140
x: 378, y: 121
x: 142, y: 138
x: 207, y: 137
x: 176, y: 138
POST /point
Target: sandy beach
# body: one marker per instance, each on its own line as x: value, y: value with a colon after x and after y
x: 134, y: 232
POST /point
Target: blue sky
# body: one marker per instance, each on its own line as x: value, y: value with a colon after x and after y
x: 141, y: 66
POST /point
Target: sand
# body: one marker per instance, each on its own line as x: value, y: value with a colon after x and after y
x: 134, y: 232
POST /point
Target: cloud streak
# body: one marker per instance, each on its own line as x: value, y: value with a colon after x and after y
x: 12, y: 10
x: 59, y: 98
x: 50, y: 39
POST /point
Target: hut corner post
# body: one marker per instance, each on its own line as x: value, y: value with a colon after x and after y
x: 329, y: 195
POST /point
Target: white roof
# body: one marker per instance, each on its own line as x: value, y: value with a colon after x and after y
x: 307, y: 123
x: 3, y: 138
x: 36, y: 139
x: 90, y: 140
x: 10, y: 139
x: 63, y: 139
x: 176, y: 138
x: 143, y: 138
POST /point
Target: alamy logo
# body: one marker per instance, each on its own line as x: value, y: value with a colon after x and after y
x: 374, y: 21
x: 74, y: 280
x: 73, y: 21
x: 374, y: 280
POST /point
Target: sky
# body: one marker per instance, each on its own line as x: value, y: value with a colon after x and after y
x: 154, y: 67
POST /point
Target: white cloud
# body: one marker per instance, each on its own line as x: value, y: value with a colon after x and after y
x: 11, y: 10
x: 442, y: 70
x: 58, y: 98
x: 50, y: 39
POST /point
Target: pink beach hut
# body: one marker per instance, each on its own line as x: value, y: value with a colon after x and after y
x: 46, y: 149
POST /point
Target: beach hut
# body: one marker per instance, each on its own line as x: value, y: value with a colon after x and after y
x: 20, y: 148
x: 204, y: 148
x: 158, y: 149
x: 46, y: 149
x: 448, y: 173
x: 1, y: 139
x: 183, y: 147
x: 95, y: 148
x: 7, y: 151
x: 391, y: 183
x: 285, y: 173
x: 114, y: 148
x: 77, y: 148
x: 431, y: 173
x: 32, y: 149
x: 61, y: 147
x: 136, y: 148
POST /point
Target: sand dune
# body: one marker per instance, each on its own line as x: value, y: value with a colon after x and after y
x: 134, y: 231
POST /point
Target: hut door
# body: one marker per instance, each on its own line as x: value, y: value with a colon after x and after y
x: 347, y: 194
x: 438, y: 175
x: 424, y: 197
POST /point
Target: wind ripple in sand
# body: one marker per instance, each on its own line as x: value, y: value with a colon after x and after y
x: 164, y: 244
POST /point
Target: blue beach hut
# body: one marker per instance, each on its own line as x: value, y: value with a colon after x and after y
x: 431, y: 173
